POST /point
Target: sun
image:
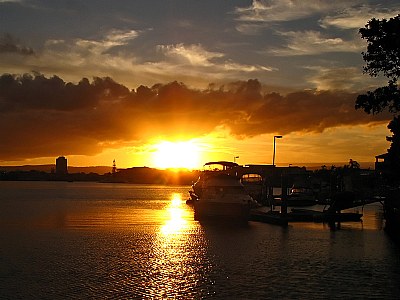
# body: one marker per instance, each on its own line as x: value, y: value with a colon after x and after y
x: 185, y: 154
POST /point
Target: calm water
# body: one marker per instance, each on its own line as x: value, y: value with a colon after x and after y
x: 77, y: 240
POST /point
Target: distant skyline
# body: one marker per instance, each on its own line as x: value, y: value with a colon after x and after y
x: 216, y: 79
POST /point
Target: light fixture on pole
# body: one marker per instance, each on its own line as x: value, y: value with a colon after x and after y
x: 234, y: 158
x: 273, y: 156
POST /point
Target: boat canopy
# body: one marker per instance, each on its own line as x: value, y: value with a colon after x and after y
x: 224, y: 164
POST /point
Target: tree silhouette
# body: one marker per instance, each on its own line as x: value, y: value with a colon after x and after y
x: 383, y: 58
x: 394, y: 150
x: 353, y: 164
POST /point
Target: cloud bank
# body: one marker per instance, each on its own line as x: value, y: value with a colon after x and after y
x: 9, y: 44
x: 45, y: 116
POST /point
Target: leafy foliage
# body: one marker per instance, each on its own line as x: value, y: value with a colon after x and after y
x: 380, y: 99
x: 383, y: 50
x: 383, y: 57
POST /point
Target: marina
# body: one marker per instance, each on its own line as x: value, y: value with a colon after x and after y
x: 245, y: 193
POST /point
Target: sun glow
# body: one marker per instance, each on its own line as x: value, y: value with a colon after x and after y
x: 177, y: 155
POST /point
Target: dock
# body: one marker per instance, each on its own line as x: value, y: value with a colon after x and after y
x: 334, y: 212
x: 302, y: 215
x: 270, y: 217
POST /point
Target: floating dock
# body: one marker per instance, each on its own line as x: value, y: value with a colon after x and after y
x: 333, y: 214
x: 270, y: 217
x: 302, y: 215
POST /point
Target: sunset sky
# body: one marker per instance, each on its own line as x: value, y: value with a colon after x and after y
x: 180, y: 83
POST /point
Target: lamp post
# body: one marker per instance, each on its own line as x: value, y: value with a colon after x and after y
x: 273, y: 156
x: 234, y: 158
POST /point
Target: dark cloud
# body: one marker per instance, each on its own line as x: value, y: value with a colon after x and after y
x: 304, y: 111
x: 45, y: 116
x: 9, y: 44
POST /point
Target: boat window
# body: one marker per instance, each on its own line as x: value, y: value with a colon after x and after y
x: 251, y: 178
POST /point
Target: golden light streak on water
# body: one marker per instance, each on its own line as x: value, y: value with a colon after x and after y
x: 173, y: 259
x: 176, y: 223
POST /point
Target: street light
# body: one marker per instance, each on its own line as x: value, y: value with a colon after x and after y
x: 273, y: 156
x: 234, y: 158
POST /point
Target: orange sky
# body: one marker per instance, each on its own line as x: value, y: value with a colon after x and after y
x: 102, y: 120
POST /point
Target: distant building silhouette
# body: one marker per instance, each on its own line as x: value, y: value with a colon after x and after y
x: 382, y: 162
x: 61, y: 165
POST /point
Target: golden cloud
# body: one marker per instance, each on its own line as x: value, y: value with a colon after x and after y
x: 44, y: 116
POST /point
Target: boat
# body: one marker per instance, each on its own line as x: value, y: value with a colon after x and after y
x: 301, y: 196
x: 219, y: 194
x: 298, y: 196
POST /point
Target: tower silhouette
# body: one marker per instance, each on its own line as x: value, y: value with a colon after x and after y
x: 114, y: 168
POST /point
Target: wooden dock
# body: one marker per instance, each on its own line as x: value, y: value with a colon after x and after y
x: 270, y: 217
x: 302, y: 215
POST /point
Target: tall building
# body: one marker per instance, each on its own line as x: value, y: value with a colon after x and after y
x: 61, y: 165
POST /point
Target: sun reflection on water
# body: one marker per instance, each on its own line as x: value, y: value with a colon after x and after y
x: 176, y: 223
x: 177, y: 260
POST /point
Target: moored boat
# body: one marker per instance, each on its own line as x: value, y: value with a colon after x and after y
x: 298, y: 196
x: 301, y: 196
x: 219, y: 194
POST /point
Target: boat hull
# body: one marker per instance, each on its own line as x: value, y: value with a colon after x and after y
x: 204, y: 210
